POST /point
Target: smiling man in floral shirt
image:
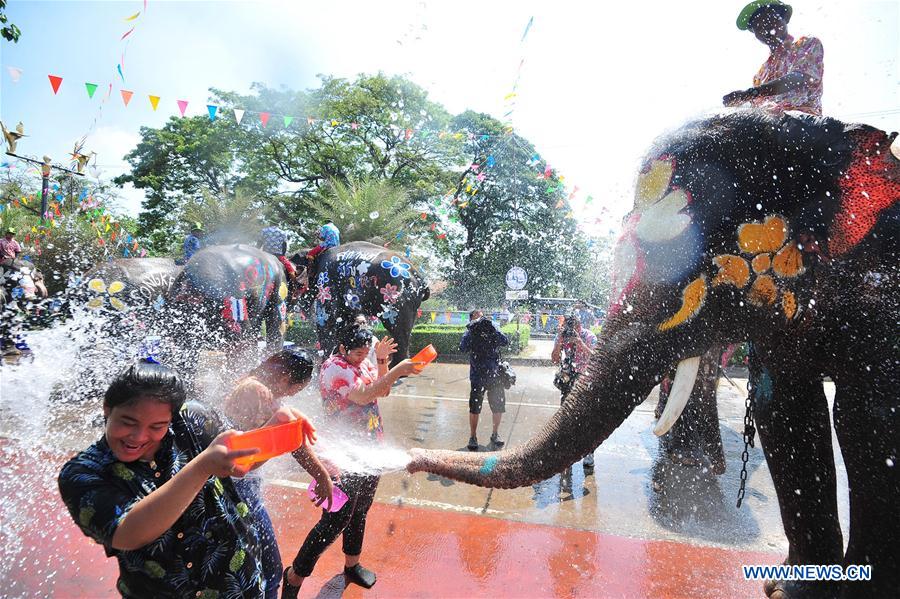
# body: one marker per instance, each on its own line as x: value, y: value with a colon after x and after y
x: 791, y: 78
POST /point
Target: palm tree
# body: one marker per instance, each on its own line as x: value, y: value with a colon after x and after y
x: 234, y: 218
x: 366, y: 210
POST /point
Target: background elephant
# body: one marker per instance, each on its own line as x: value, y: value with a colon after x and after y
x: 127, y: 284
x: 233, y: 290
x: 363, y: 278
x: 782, y: 230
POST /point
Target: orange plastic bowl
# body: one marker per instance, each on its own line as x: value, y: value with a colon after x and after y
x: 424, y: 357
x: 270, y: 440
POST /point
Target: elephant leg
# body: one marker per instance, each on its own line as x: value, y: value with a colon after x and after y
x: 274, y: 332
x: 865, y: 418
x: 794, y: 426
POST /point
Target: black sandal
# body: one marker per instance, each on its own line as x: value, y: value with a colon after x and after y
x: 361, y: 576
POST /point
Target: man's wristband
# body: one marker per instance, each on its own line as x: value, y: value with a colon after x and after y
x: 384, y: 361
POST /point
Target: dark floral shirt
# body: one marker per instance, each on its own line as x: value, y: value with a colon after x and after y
x: 211, y: 551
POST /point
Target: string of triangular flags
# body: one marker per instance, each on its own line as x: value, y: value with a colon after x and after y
x: 265, y: 117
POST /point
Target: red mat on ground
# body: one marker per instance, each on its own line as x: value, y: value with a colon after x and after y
x: 415, y: 552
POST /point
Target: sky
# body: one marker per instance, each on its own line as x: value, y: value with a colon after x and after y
x: 599, y: 81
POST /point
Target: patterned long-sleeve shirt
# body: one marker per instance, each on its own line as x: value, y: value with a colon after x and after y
x: 212, y: 550
x: 805, y: 55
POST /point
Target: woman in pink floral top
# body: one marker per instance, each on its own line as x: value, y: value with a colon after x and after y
x: 351, y: 386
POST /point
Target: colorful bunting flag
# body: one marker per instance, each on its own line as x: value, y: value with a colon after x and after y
x: 264, y: 117
x: 91, y: 88
x: 15, y: 73
x: 55, y: 82
x: 238, y: 115
x: 182, y: 106
x: 288, y: 120
x: 154, y: 102
x: 126, y: 96
x: 212, y: 111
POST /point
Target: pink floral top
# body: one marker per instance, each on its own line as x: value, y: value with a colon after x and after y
x: 804, y: 55
x: 337, y: 378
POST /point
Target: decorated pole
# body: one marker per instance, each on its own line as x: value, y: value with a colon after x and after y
x: 46, y: 170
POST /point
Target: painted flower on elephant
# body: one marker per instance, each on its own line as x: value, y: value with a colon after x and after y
x: 323, y: 279
x: 396, y: 267
x: 772, y: 259
x: 363, y: 268
x: 321, y: 314
x: 389, y: 313
x: 100, y: 288
x: 391, y: 293
x: 324, y: 294
x: 657, y: 217
x: 352, y: 300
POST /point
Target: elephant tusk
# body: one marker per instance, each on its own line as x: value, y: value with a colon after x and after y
x: 895, y: 147
x: 685, y: 375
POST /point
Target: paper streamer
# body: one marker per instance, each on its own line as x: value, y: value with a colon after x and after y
x: 133, y: 17
x: 127, y: 33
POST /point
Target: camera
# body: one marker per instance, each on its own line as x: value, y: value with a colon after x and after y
x: 568, y: 329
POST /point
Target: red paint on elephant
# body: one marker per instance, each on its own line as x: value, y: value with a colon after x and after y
x: 870, y: 185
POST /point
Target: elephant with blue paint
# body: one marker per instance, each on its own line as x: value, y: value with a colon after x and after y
x: 362, y: 278
x: 235, y: 290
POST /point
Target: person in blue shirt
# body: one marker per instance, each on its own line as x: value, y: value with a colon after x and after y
x: 192, y: 243
x: 483, y: 342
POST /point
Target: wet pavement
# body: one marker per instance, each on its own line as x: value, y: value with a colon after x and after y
x: 638, y: 527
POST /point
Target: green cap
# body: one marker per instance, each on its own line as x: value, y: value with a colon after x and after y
x: 743, y: 20
x: 196, y: 227
x: 11, y: 230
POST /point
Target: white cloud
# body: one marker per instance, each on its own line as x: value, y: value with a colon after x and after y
x: 111, y: 145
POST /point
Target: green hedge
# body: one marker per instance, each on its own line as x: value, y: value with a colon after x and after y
x: 445, y: 338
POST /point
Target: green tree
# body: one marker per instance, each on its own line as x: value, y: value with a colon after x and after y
x: 9, y: 31
x: 517, y: 214
x: 375, y: 127
x: 367, y: 210
x: 182, y: 161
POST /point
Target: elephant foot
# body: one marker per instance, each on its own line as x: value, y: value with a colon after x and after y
x: 795, y: 589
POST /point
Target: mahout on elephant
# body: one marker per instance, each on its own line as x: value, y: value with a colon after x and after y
x: 363, y: 278
x: 781, y: 230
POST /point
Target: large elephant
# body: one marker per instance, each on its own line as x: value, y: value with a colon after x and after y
x: 782, y: 230
x: 363, y: 278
